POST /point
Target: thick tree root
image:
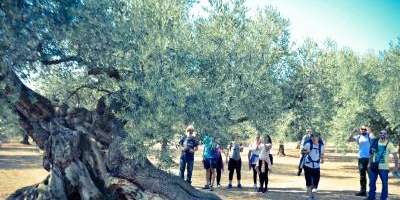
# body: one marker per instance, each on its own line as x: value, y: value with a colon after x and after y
x: 82, y: 154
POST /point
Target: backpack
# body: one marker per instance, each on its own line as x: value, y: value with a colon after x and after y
x: 320, y: 143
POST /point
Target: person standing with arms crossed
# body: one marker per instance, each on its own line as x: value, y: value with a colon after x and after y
x: 188, y: 146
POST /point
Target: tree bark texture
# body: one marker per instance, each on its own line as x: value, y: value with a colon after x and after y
x: 82, y: 152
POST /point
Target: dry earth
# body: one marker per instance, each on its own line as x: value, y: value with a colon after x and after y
x: 20, y: 166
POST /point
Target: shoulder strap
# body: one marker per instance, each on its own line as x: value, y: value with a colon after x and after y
x: 384, y: 150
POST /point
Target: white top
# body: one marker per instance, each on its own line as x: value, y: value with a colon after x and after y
x: 255, y: 150
x: 313, y: 155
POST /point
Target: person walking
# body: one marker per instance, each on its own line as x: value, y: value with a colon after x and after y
x: 305, y: 138
x: 253, y: 157
x: 363, y: 139
x: 264, y: 165
x: 235, y: 162
x: 220, y: 164
x: 379, y: 165
x: 209, y: 161
x: 313, y: 150
x: 188, y: 146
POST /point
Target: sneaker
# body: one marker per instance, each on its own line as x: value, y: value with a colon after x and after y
x: 260, y: 190
x: 211, y: 188
x: 206, y: 187
x: 361, y: 194
x: 229, y: 186
x: 218, y: 186
x: 255, y: 188
x: 315, y: 190
x: 264, y: 190
x: 239, y: 185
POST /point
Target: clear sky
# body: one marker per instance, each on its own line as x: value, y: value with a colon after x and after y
x: 359, y: 24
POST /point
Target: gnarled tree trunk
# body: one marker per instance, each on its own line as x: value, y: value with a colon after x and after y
x: 82, y: 154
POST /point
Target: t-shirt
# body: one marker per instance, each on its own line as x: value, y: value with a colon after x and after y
x: 255, y: 152
x: 188, y: 143
x: 364, y: 144
x: 313, y: 155
x: 210, y: 150
x: 384, y: 158
x: 235, y: 151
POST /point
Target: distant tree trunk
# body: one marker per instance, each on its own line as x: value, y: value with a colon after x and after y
x: 25, y: 138
x: 281, y: 151
x: 82, y: 154
x: 398, y: 148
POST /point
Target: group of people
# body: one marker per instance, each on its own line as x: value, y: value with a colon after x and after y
x: 259, y: 156
x: 373, y: 160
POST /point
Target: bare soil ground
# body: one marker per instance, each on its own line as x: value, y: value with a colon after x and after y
x: 20, y: 166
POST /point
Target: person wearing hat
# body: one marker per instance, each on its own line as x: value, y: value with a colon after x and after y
x: 379, y: 165
x: 188, y: 146
x: 363, y: 139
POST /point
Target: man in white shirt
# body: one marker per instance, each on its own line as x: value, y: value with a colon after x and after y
x: 363, y: 139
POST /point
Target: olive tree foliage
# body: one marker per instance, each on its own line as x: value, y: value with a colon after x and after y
x: 310, y: 90
x: 387, y: 99
x: 154, y: 67
x: 237, y: 60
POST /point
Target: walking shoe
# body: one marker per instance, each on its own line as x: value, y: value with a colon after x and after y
x: 206, y: 187
x: 239, y: 185
x: 315, y: 190
x: 264, y: 190
x: 361, y: 194
x: 260, y: 190
x: 211, y: 188
x: 218, y: 186
x: 255, y: 188
x: 229, y: 186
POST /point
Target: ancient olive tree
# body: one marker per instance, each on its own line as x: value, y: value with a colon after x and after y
x: 124, y: 55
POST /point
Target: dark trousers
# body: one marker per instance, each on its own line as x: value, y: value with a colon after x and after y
x: 253, y: 166
x: 186, y: 162
x: 219, y: 171
x: 263, y: 176
x: 363, y: 168
x: 234, y: 165
x: 312, y: 176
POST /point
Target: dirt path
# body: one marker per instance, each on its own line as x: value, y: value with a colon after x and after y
x: 20, y: 166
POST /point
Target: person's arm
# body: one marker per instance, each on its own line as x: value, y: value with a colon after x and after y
x: 396, y: 162
x: 322, y: 153
x: 302, y: 142
x: 306, y: 149
x: 196, y: 146
x: 352, y: 137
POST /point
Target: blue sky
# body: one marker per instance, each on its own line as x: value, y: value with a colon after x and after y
x: 359, y: 24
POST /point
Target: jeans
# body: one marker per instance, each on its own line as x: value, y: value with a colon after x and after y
x: 373, y: 176
x: 186, y: 162
x: 363, y: 168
